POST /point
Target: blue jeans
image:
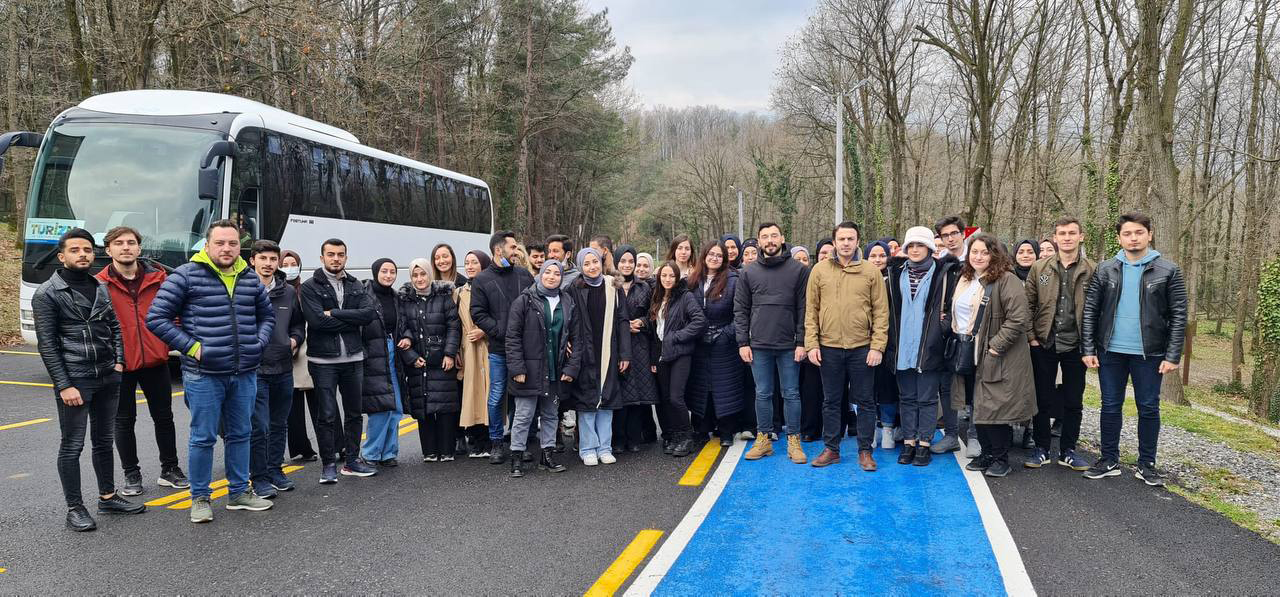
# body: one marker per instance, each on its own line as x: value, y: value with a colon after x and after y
x: 213, y: 400
x: 497, y: 386
x: 595, y: 432
x: 888, y: 412
x: 270, y: 427
x: 763, y: 364
x: 1114, y: 371
x: 382, y: 439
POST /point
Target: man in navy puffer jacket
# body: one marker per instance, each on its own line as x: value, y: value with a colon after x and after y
x: 226, y: 320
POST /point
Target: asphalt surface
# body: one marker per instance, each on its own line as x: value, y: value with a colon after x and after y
x: 465, y: 528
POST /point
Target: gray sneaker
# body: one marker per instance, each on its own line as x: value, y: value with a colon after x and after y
x: 948, y: 443
x: 201, y: 511
x: 248, y: 501
x: 132, y: 484
x: 973, y: 449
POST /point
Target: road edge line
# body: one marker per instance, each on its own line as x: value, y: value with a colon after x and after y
x: 620, y: 570
x: 648, y: 578
x: 1013, y: 573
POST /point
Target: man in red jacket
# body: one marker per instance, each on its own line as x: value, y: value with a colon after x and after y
x: 132, y: 284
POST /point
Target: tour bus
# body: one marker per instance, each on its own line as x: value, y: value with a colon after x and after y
x: 169, y: 163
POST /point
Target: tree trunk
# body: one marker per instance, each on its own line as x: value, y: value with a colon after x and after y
x: 84, y: 72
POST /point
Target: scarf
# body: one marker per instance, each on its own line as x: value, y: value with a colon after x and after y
x: 542, y: 288
x: 916, y: 272
x: 423, y: 264
x: 599, y: 279
x: 915, y: 308
x: 623, y: 250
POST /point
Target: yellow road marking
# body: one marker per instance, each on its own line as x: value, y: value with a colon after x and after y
x: 618, y: 572
x: 22, y: 424
x: 408, y: 428
x: 3, y: 570
x: 219, y: 487
x: 701, y: 465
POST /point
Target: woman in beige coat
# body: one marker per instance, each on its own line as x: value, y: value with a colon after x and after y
x: 473, y: 366
x: 1004, y: 391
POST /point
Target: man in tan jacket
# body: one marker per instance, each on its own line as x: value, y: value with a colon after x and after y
x: 846, y: 328
x: 1055, y: 292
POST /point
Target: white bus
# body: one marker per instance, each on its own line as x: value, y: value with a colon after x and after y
x: 168, y: 163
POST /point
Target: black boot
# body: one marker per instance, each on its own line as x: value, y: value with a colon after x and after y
x: 527, y: 456
x: 547, y: 464
x: 559, y: 440
x: 667, y: 446
x: 78, y: 520
x: 497, y: 453
x: 517, y: 464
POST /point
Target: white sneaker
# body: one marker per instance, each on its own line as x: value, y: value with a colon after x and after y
x: 972, y: 449
x: 746, y: 435
x: 607, y: 458
x: 886, y: 438
x: 590, y: 460
x: 570, y: 419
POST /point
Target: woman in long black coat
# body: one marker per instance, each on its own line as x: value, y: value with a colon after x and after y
x: 639, y: 388
x: 381, y: 396
x: 429, y: 322
x: 605, y: 332
x: 716, y: 396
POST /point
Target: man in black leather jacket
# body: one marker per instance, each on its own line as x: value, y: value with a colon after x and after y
x: 1135, y: 316
x: 81, y: 346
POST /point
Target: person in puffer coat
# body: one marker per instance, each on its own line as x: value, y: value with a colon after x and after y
x: 216, y: 313
x: 678, y: 322
x: 540, y: 328
x: 430, y: 334
x: 382, y: 395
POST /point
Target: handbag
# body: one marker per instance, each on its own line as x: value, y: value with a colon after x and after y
x: 961, y: 347
x: 712, y: 335
x: 433, y: 350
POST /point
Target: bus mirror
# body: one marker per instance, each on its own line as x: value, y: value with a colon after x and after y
x: 18, y: 139
x: 210, y: 179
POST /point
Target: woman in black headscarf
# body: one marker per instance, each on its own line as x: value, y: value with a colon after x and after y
x: 733, y: 246
x: 1025, y: 255
x: 633, y: 424
x: 381, y: 395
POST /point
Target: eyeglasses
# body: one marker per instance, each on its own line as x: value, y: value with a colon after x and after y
x: 715, y: 256
x: 952, y: 234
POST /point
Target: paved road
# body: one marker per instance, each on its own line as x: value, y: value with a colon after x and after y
x: 463, y: 527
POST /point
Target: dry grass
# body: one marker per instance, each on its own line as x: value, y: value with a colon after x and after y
x: 10, y: 281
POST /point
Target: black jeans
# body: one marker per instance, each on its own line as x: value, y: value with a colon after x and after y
x: 269, y: 426
x: 158, y: 391
x: 299, y: 441
x: 346, y: 379
x: 812, y: 399
x: 1065, y: 404
x: 847, y: 368
x: 995, y: 441
x: 438, y: 433
x: 673, y: 378
x: 98, y: 415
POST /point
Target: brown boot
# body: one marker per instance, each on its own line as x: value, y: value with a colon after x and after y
x: 866, y: 461
x: 828, y: 456
x: 795, y: 450
x: 763, y: 447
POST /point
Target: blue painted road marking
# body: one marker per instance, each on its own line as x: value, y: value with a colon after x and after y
x: 782, y: 528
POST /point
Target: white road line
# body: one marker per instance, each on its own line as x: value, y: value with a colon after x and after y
x: 1012, y: 570
x: 653, y: 573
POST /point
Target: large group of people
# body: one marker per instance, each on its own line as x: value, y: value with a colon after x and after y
x: 521, y: 352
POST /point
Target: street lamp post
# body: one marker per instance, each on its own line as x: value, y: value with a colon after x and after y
x: 840, y: 144
x: 733, y: 188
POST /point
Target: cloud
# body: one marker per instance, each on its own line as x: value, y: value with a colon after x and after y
x: 704, y: 52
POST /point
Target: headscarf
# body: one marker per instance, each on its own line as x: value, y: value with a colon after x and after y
x: 297, y: 281
x: 1020, y: 271
x: 737, y: 242
x: 425, y: 264
x: 817, y: 250
x: 377, y: 285
x: 617, y: 257
x: 582, y: 254
x: 542, y: 288
x: 482, y: 257
x: 866, y: 252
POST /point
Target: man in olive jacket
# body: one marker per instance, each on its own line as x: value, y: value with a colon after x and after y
x: 1055, y: 292
x: 846, y: 325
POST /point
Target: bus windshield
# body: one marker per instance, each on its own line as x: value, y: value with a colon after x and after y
x: 100, y: 175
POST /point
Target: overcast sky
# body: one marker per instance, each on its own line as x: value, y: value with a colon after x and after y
x: 699, y: 52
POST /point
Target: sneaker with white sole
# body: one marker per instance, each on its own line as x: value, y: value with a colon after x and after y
x: 972, y: 448
x: 1037, y: 459
x: 886, y: 438
x: 607, y: 458
x: 201, y: 511
x: 1148, y: 474
x: 173, y: 477
x: 247, y: 500
x: 590, y: 460
x: 1104, y: 467
x: 1072, y: 461
x: 948, y: 443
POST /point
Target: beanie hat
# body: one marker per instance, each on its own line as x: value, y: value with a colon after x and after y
x: 922, y: 235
